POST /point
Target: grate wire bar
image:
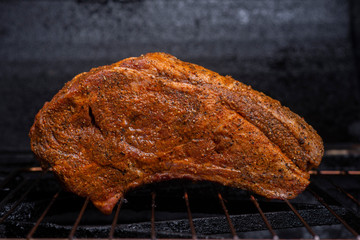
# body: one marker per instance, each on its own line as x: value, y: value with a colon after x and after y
x: 113, y: 225
x: 22, y: 197
x: 346, y: 225
x: 191, y: 222
x: 264, y: 218
x: 73, y: 230
x: 306, y: 225
x: 32, y: 231
x: 231, y: 225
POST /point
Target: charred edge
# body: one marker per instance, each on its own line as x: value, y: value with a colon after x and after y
x: 93, y: 121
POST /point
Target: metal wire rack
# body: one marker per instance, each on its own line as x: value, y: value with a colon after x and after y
x: 351, y: 227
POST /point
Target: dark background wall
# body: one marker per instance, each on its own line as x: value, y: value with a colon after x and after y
x: 304, y: 53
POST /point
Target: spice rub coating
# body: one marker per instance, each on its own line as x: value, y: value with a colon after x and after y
x: 154, y: 118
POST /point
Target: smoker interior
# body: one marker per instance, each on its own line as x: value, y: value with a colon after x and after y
x: 304, y: 53
x: 33, y: 204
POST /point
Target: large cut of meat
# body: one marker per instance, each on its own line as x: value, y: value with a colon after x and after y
x: 155, y: 118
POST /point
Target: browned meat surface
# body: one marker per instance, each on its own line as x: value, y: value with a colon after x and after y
x: 153, y: 118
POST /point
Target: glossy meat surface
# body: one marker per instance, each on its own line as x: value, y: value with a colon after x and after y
x: 154, y: 118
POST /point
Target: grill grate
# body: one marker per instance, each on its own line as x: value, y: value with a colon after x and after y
x: 351, y: 225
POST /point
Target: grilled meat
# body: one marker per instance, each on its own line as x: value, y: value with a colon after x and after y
x: 154, y: 118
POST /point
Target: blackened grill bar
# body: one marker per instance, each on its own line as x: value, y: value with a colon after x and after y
x: 153, y: 233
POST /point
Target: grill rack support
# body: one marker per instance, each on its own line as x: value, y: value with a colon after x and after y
x: 13, y: 174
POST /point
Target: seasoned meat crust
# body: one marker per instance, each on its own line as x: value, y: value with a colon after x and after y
x: 154, y: 118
